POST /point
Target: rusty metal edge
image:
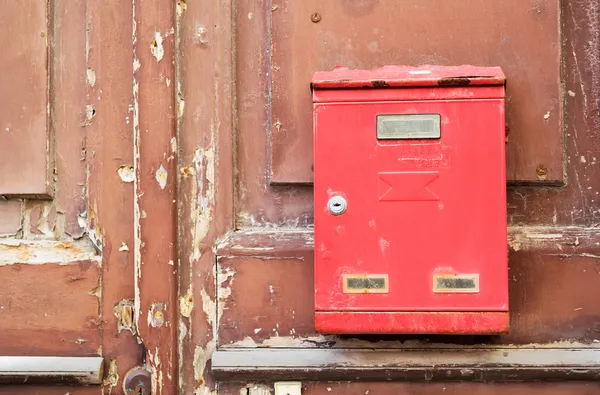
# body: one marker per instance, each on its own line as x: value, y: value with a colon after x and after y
x: 479, y: 365
x: 51, y: 370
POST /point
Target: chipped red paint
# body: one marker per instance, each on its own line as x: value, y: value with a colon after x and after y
x: 400, y: 76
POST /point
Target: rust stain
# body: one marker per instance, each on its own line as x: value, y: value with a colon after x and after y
x: 379, y: 84
x: 454, y: 81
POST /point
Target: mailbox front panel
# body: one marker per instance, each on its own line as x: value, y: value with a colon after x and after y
x: 423, y: 227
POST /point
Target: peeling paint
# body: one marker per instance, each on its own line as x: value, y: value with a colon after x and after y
x: 46, y: 251
x: 112, y: 376
x: 156, y: 315
x: 123, y: 247
x: 156, y: 47
x: 174, y: 145
x: 124, y: 313
x: 127, y: 173
x: 180, y: 101
x: 202, y: 200
x: 186, y: 303
x: 161, y: 177
x: 91, y: 77
x: 200, y: 35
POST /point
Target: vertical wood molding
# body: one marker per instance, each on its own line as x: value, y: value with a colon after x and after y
x: 155, y: 166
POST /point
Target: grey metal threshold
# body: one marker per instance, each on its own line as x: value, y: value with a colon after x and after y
x: 482, y: 365
x: 51, y: 370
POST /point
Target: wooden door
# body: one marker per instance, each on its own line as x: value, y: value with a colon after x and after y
x: 155, y: 169
x: 88, y: 157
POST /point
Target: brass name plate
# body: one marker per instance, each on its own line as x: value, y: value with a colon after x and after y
x: 456, y: 283
x: 408, y: 126
x: 365, y: 283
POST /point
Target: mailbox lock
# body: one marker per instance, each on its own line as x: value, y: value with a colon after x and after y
x: 337, y: 205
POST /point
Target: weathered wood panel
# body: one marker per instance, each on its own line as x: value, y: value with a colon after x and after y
x: 554, y: 282
x: 68, y: 113
x: 155, y: 164
x: 109, y: 159
x: 25, y: 157
x: 365, y: 35
x: 50, y: 309
x: 206, y: 116
x: 460, y: 364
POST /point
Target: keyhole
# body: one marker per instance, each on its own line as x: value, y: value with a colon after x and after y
x: 139, y: 390
x: 337, y: 205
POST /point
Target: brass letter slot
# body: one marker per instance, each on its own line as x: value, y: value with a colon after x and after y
x: 365, y: 283
x: 456, y: 283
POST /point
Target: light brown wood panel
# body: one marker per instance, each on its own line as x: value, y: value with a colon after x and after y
x: 25, y: 156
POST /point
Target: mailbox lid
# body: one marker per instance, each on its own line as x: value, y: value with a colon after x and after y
x: 408, y: 76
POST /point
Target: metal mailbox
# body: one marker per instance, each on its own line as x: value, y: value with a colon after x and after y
x: 410, y: 201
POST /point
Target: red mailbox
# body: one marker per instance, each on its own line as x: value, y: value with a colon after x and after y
x: 410, y: 201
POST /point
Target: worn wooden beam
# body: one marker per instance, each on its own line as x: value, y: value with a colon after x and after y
x: 494, y: 364
x: 563, y: 240
x: 155, y: 208
x: 51, y: 370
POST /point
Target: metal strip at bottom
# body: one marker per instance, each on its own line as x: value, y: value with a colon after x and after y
x: 51, y: 370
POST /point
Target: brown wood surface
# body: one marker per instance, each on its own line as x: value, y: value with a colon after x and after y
x: 25, y: 161
x: 461, y: 364
x: 46, y: 390
x: 50, y: 309
x: 10, y: 217
x: 109, y: 145
x: 206, y: 171
x: 324, y: 388
x: 365, y: 35
x: 554, y: 282
x: 155, y: 164
x: 68, y: 103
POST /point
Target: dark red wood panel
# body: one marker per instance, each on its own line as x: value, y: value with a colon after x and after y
x: 309, y: 36
x: 24, y: 134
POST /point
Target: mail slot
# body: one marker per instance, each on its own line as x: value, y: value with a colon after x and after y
x: 410, y: 201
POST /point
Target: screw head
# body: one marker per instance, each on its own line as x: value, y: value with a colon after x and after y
x: 337, y: 205
x: 542, y: 172
x: 315, y: 17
